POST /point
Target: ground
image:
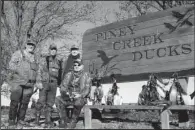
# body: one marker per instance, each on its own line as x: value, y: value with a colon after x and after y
x: 124, y: 120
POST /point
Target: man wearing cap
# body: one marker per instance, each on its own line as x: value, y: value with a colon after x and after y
x: 24, y: 73
x: 68, y: 64
x: 50, y: 72
x: 74, y: 90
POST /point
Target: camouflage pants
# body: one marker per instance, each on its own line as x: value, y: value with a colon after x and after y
x: 63, y: 104
x: 47, y: 96
x: 20, y: 96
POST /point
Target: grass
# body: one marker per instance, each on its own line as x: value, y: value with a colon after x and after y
x: 131, y: 119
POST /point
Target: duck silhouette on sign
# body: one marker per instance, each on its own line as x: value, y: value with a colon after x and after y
x: 182, y: 19
x: 104, y: 57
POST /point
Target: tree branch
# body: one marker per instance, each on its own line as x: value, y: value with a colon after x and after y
x: 29, y: 31
x: 7, y: 26
x: 52, y: 30
x: 161, y: 5
x: 151, y: 4
x: 138, y: 8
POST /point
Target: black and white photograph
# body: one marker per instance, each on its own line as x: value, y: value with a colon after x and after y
x: 97, y: 64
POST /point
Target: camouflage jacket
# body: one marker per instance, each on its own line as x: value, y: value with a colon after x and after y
x: 76, y: 82
x: 23, y: 67
x: 51, y: 70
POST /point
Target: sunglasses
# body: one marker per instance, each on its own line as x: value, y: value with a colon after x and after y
x: 76, y: 49
x: 30, y: 44
x: 53, y: 49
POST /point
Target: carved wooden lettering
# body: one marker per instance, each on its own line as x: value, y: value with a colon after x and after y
x: 157, y: 42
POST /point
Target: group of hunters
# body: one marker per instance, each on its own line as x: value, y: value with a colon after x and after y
x: 26, y: 74
x: 74, y: 83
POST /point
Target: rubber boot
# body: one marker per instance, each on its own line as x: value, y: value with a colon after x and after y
x: 12, y: 124
x: 22, y: 112
x: 75, y: 116
x: 21, y: 116
x: 63, y: 117
x: 13, y: 111
x: 63, y: 123
x: 37, y: 119
x: 48, y: 123
x: 72, y: 124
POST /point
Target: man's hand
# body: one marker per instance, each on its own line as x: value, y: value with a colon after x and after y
x: 39, y: 86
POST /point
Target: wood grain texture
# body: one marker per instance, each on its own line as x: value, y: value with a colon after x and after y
x: 120, y: 45
x: 165, y: 120
x: 167, y: 42
x: 87, y: 118
x: 149, y: 16
x: 141, y: 107
x: 153, y: 28
x: 130, y: 63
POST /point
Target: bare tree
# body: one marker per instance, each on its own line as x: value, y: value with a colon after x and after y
x: 38, y: 20
x: 129, y: 9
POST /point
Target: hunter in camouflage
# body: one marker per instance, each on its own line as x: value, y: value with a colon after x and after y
x: 75, y: 89
x: 51, y: 76
x: 24, y: 74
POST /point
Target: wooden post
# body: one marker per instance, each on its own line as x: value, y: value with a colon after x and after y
x: 165, y: 119
x: 87, y: 118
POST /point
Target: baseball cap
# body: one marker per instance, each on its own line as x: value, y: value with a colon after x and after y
x: 53, y: 46
x: 30, y: 42
x: 79, y: 61
x: 74, y: 47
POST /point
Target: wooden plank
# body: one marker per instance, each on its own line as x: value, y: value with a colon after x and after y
x: 145, y: 76
x: 138, y: 31
x: 141, y: 107
x: 128, y: 55
x: 127, y: 61
x: 165, y: 120
x: 156, y: 68
x: 182, y: 39
x: 147, y: 17
x: 119, y: 66
x: 147, y: 34
x: 182, y: 107
x: 124, y: 48
x: 87, y: 118
x: 161, y: 65
x: 143, y: 45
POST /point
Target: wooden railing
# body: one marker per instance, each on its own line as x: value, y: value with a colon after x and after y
x: 164, y: 115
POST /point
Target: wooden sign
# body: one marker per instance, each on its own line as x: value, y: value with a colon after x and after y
x: 155, y: 43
